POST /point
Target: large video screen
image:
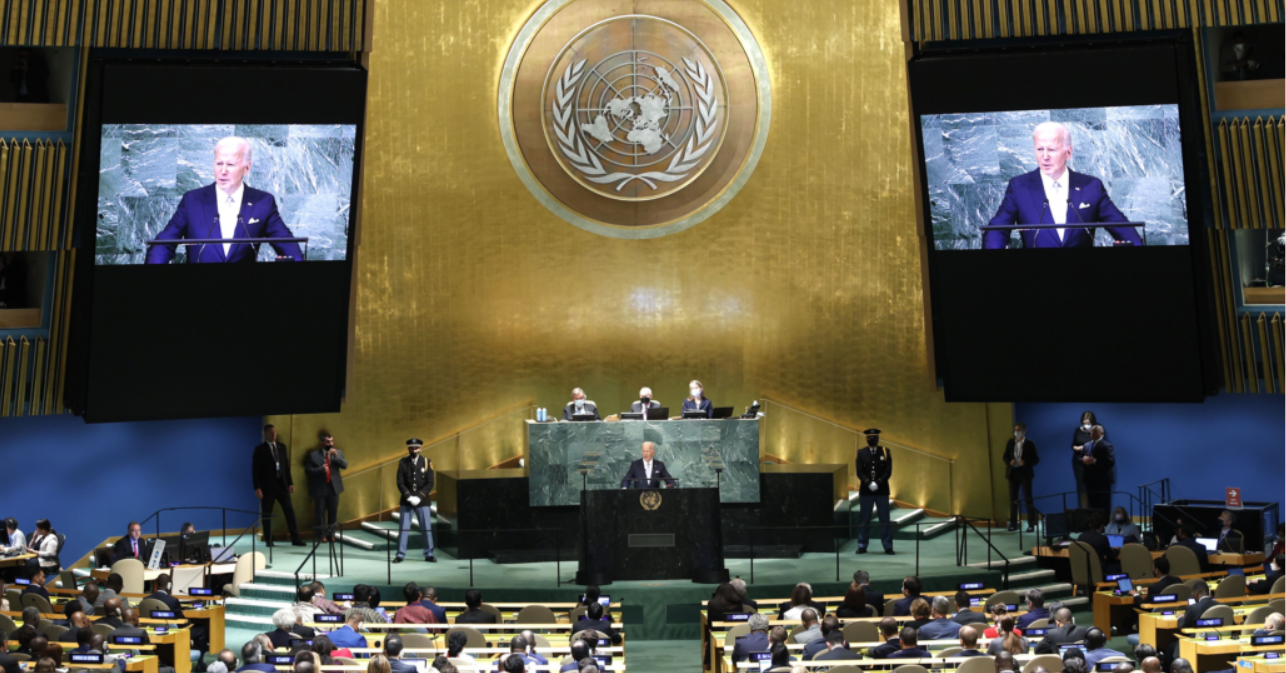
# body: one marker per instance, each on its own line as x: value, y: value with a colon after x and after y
x: 217, y: 232
x: 285, y: 189
x: 1033, y: 178
x: 1062, y: 202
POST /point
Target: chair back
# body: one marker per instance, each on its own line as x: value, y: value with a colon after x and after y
x: 14, y: 597
x: 37, y: 601
x: 343, y: 661
x: 1114, y: 660
x: 1183, y: 561
x: 1136, y: 561
x: 1223, y: 612
x: 500, y: 619
x: 131, y: 572
x: 888, y: 606
x: 244, y: 571
x: 7, y: 625
x: 52, y: 631
x: 799, y: 628
x: 862, y: 632
x: 186, y: 577
x: 738, y: 631
x: 977, y: 665
x: 1182, y: 592
x: 1279, y: 586
x: 576, y: 612
x: 536, y: 614
x: 147, y: 605
x: 1005, y: 597
x: 1052, y: 663
x: 846, y: 668
x: 475, y: 636
x: 104, y: 630
x: 949, y: 652
x: 1087, y: 570
x: 1232, y: 586
x: 1258, y: 615
x: 1278, y: 605
x: 419, y: 641
x: 18, y: 656
x: 67, y: 580
x: 916, y: 668
x: 1039, y: 624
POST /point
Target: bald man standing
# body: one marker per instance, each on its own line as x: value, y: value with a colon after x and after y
x: 1053, y: 194
x: 223, y: 210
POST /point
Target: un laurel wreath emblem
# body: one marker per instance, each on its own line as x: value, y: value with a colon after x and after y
x: 629, y: 125
x: 650, y: 500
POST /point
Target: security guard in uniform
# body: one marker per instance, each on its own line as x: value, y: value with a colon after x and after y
x: 874, y: 467
x: 415, y: 481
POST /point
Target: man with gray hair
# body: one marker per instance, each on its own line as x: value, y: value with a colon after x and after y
x: 580, y: 405
x: 740, y: 586
x: 1052, y: 195
x: 252, y: 659
x: 755, y: 641
x: 226, y: 209
x: 1035, y: 609
x: 284, y: 619
x: 941, y: 627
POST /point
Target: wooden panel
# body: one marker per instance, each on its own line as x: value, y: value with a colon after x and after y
x: 1251, y: 95
x: 19, y: 318
x: 1263, y: 295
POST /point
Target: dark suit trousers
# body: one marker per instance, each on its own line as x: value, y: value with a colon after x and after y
x: 281, y: 495
x: 325, y: 509
x: 1100, y: 496
x: 1023, y: 483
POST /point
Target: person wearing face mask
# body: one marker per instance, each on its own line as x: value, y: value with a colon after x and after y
x: 1080, y: 438
x: 580, y: 405
x: 874, y: 468
x: 1121, y: 525
x: 645, y: 401
x: 1020, y: 457
x: 415, y: 481
x: 697, y: 400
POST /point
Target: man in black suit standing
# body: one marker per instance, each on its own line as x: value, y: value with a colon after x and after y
x: 1200, y: 594
x: 415, y: 482
x: 1099, y: 459
x: 874, y: 469
x: 325, y: 482
x: 1020, y: 457
x: 270, y: 470
x: 646, y: 472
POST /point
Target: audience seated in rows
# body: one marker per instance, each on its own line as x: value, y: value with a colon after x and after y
x: 910, y: 592
x: 801, y: 598
x: 964, y: 613
x: 942, y: 627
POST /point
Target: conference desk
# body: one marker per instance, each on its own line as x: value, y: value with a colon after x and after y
x: 1219, y: 559
x: 19, y: 560
x: 1217, y: 655
x: 1262, y: 664
x: 150, y: 575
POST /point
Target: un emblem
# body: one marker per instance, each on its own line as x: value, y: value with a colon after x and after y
x: 628, y: 125
x: 650, y: 500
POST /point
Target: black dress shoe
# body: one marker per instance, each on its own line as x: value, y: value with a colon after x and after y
x: 1011, y: 529
x: 1031, y: 529
x: 299, y: 543
x: 888, y: 552
x: 397, y: 560
x: 861, y: 550
x: 268, y: 543
x: 430, y: 559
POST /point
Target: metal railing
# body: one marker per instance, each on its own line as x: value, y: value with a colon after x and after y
x: 962, y: 545
x: 334, y: 560
x: 390, y: 540
x: 253, y: 529
x: 857, y: 440
x: 839, y: 541
x: 1150, y: 497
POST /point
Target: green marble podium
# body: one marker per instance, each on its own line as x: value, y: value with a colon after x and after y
x: 689, y: 449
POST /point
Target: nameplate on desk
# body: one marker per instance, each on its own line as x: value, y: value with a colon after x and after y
x: 198, y: 606
x: 1258, y: 641
x: 603, y: 642
x: 1035, y: 632
x: 328, y: 619
x: 1212, y: 637
x: 1113, y: 578
x: 1011, y: 607
x: 1165, y: 598
x: 969, y: 586
x: 21, y: 582
x: 1272, y: 655
x: 281, y: 660
x: 975, y: 601
x: 651, y: 539
x: 1107, y: 665
x: 86, y: 658
x: 164, y: 614
x: 1167, y: 613
x: 737, y: 617
x: 1216, y: 621
x: 603, y: 659
x: 161, y: 630
x: 198, y: 591
x: 127, y: 640
x: 343, y: 597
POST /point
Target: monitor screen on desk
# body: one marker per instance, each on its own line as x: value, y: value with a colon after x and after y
x: 583, y: 417
x: 722, y: 412
x: 658, y: 414
x: 1116, y: 541
x: 603, y: 599
x: 127, y: 640
x: 198, y: 591
x: 86, y: 658
x: 1035, y: 632
x: 1210, y: 543
x: 1234, y: 570
x: 164, y: 614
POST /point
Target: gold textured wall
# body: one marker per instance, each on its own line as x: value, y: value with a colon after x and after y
x: 472, y: 299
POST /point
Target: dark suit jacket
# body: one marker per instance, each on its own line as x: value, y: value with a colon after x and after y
x: 263, y: 470
x: 8, y: 664
x: 877, y: 464
x: 68, y: 636
x: 1100, y: 544
x: 1157, y: 588
x: 1234, y: 542
x: 198, y: 217
x: 475, y: 617
x: 279, y: 638
x: 417, y: 481
x: 170, y: 602
x: 1061, y: 635
x: 1197, y: 548
x: 639, y: 473
x: 893, y: 644
x: 1033, y: 615
x: 637, y: 406
x: 603, y: 626
x: 315, y: 466
x: 399, y: 666
x: 1099, y: 475
x: 1265, y: 585
x: 913, y: 653
x: 36, y: 589
x: 702, y: 405
x: 1195, y: 611
x: 902, y: 608
x: 836, y: 654
x: 570, y: 410
x: 970, y: 653
x: 967, y: 616
x: 121, y: 550
x: 756, y: 641
x: 114, y: 622
x: 1087, y: 202
x: 1030, y: 459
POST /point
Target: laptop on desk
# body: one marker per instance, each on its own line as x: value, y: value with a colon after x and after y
x: 722, y: 412
x: 1116, y: 541
x: 658, y: 413
x: 583, y: 417
x: 1210, y: 543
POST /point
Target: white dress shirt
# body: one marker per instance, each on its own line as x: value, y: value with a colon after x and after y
x: 1056, y: 194
x: 1018, y: 448
x: 230, y: 209
x: 17, y: 543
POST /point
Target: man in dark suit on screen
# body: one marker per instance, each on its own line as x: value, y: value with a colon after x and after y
x: 270, y: 470
x: 646, y: 472
x: 225, y: 209
x: 1053, y: 194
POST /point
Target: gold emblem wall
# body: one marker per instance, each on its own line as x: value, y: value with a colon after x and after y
x: 473, y: 299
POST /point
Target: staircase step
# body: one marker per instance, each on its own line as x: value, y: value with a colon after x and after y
x: 1055, y: 589
x: 287, y: 578
x: 357, y: 539
x: 1025, y: 578
x: 256, y: 607
x: 389, y: 530
x: 998, y: 563
x: 256, y: 622
x: 929, y: 529
x: 764, y: 551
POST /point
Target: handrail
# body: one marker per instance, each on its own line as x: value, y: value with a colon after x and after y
x: 856, y: 432
x: 455, y: 436
x: 224, y: 510
x: 328, y: 536
x: 990, y: 547
x: 847, y: 528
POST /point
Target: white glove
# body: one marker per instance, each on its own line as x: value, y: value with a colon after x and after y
x: 874, y: 486
x: 414, y: 500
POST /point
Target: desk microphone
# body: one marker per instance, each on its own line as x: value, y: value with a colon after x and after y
x: 1079, y: 219
x: 209, y: 234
